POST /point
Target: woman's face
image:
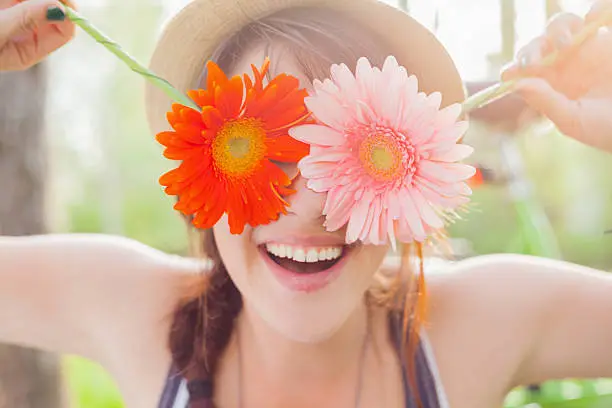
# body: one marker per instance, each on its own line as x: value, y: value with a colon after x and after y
x: 300, y: 279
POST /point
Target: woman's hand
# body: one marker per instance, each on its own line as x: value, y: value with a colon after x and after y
x: 576, y: 94
x: 30, y: 30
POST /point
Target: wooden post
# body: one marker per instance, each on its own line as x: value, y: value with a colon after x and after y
x: 28, y: 378
x: 508, y: 20
x: 552, y: 7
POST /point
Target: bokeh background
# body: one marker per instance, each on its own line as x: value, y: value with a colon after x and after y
x: 542, y: 193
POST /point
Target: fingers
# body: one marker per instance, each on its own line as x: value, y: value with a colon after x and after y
x: 558, y: 36
x: 532, y: 53
x: 30, y: 31
x: 4, y: 4
x: 54, y: 37
x: 25, y: 17
x: 598, y: 10
x: 541, y: 96
x: 525, y: 59
x: 597, y: 53
x: 561, y: 30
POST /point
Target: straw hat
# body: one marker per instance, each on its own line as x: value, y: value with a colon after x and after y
x: 190, y: 38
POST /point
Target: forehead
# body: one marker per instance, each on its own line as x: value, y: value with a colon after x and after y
x: 281, y: 61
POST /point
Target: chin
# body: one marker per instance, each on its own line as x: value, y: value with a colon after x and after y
x: 308, y: 293
x: 304, y: 321
x: 305, y: 285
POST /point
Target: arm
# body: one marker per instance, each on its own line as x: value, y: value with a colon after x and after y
x: 79, y: 293
x: 571, y: 316
x: 550, y: 319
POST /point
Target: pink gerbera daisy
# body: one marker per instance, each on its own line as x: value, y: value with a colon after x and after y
x: 384, y: 153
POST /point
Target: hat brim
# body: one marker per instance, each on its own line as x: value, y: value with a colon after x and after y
x: 190, y: 37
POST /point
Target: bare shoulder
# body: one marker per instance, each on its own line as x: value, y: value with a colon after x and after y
x: 505, y: 283
x: 140, y: 288
x: 488, y: 314
x: 144, y: 295
x: 142, y: 275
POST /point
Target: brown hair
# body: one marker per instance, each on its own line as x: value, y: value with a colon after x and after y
x: 204, y: 321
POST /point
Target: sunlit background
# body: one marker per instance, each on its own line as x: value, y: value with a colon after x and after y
x: 105, y: 164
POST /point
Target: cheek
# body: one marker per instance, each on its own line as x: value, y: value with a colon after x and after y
x: 366, y: 262
x: 237, y: 252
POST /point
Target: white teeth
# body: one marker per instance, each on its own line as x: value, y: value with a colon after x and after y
x: 322, y: 255
x: 299, y: 255
x: 302, y: 254
x: 312, y: 255
x: 333, y: 253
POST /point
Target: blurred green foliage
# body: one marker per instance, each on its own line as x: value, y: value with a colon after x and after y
x: 90, y: 386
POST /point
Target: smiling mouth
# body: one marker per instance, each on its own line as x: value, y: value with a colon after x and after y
x: 305, y: 260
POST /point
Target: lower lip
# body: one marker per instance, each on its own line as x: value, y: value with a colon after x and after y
x: 308, y: 283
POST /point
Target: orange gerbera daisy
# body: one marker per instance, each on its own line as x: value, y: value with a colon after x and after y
x: 228, y: 150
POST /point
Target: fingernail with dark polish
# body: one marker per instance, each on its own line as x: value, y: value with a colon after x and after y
x: 55, y: 14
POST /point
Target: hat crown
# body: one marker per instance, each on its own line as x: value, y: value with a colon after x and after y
x: 190, y: 37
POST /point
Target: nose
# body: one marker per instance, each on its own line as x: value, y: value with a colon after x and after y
x: 305, y: 203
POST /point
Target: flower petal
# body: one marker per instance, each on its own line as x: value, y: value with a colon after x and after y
x: 215, y: 76
x: 445, y: 202
x: 330, y: 156
x: 173, y: 139
x: 212, y: 117
x: 317, y: 170
x: 364, y: 73
x: 338, y: 206
x: 410, y: 213
x: 451, y: 134
x: 321, y: 185
x: 376, y: 233
x: 357, y: 221
x: 201, y: 97
x: 229, y: 97
x: 446, y: 172
x: 449, y: 115
x: 326, y: 110
x: 445, y: 189
x: 373, y: 213
x: 317, y: 134
x: 428, y: 215
x: 456, y: 153
x: 286, y: 149
x: 345, y: 81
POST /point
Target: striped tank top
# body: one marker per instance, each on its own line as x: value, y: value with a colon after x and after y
x: 430, y: 390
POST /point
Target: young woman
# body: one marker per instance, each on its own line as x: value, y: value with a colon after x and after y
x: 263, y: 328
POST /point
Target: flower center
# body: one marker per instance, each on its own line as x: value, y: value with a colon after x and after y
x: 382, y: 158
x: 239, y: 147
x: 387, y: 155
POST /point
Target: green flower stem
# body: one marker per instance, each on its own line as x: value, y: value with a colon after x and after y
x: 499, y: 90
x: 134, y: 65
